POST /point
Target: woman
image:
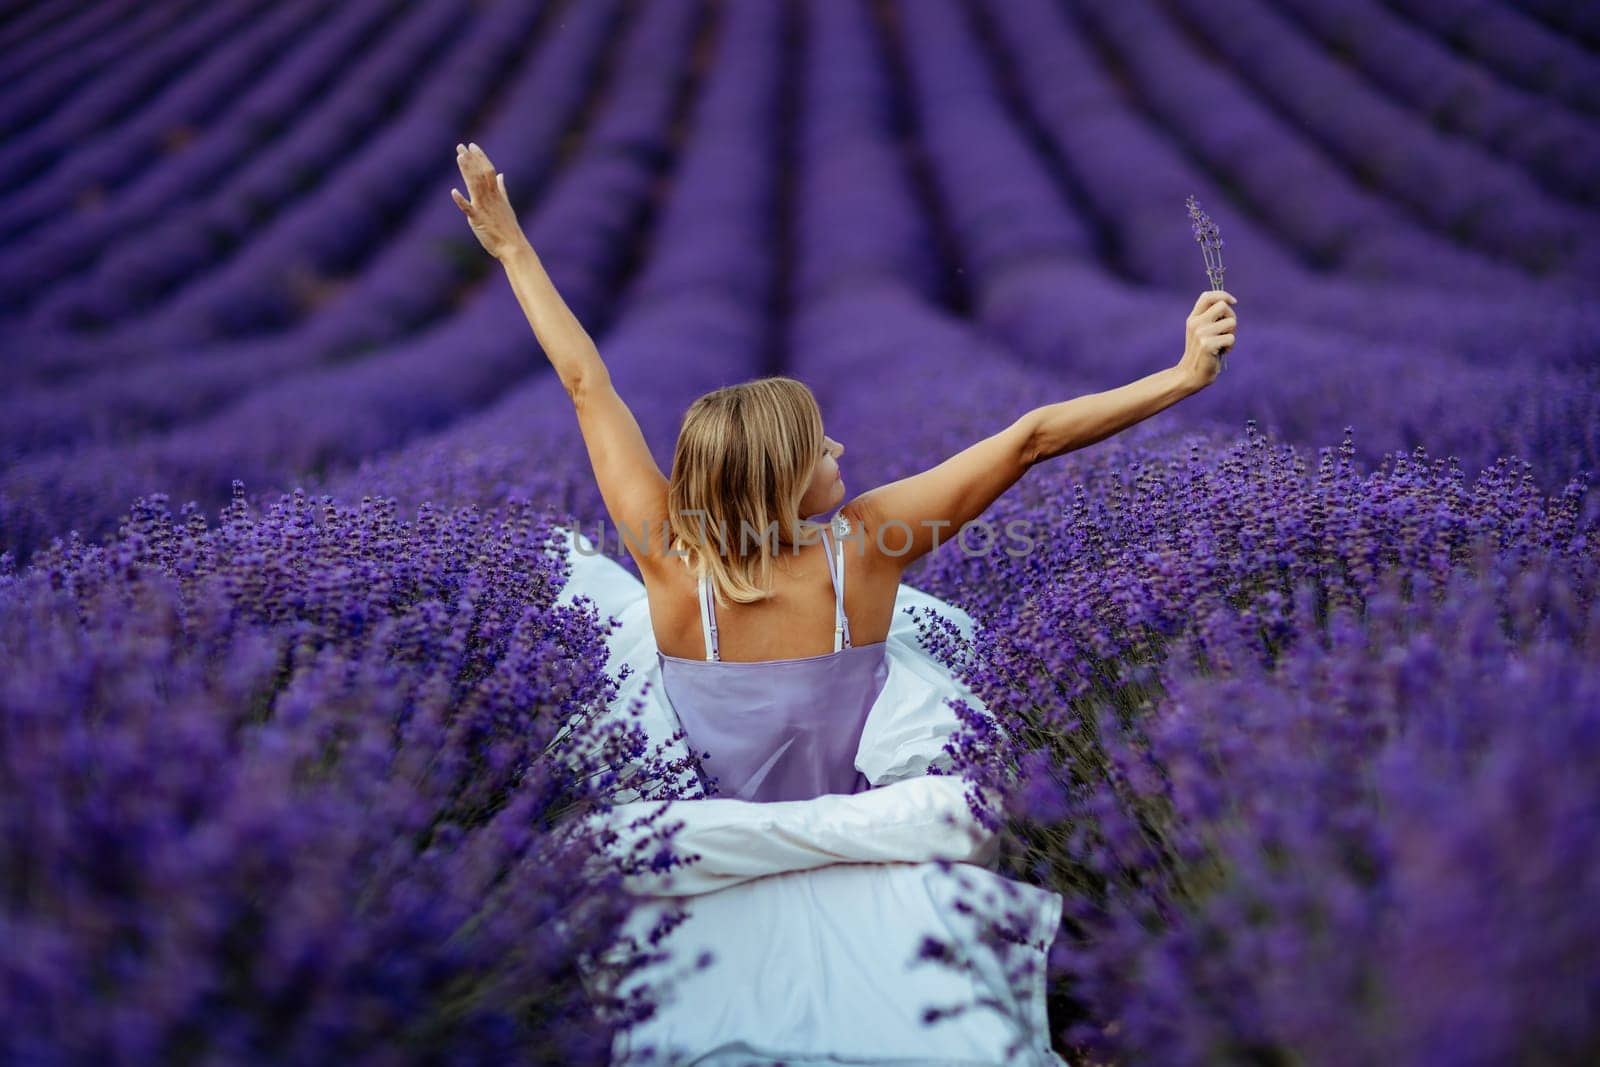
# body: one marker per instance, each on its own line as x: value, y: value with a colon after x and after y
x: 801, y: 690
x: 770, y: 659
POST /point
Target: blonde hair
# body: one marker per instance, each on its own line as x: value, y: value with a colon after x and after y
x: 744, y: 459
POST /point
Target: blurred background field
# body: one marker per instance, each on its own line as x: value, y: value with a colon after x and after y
x: 1300, y: 684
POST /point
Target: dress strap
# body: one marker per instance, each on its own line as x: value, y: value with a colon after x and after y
x: 708, y: 619
x: 841, y: 623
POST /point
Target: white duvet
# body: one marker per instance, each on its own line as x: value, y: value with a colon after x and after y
x: 815, y: 913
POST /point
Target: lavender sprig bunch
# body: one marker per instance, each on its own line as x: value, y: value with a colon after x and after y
x: 1205, y: 231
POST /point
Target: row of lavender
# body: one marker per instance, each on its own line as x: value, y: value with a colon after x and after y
x: 108, y: 161
x: 1553, y: 57
x: 1555, y: 145
x: 1451, y: 183
x: 54, y: 107
x: 270, y: 431
x: 1368, y: 242
x: 203, y: 147
x: 138, y: 277
x: 159, y: 398
x: 181, y: 279
x: 404, y: 286
x: 41, y: 35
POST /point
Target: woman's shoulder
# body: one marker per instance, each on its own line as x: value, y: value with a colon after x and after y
x: 861, y: 535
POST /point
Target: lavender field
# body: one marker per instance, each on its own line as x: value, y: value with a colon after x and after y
x: 1296, y: 696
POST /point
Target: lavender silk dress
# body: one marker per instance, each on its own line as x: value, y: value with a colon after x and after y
x: 784, y: 729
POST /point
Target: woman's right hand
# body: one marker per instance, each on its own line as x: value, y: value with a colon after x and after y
x: 1207, y: 334
x: 489, y: 211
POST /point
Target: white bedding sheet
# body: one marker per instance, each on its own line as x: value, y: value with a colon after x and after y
x: 820, y: 966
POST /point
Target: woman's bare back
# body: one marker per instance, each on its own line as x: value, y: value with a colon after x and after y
x: 796, y: 622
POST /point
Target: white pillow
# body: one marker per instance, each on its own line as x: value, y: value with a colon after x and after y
x: 734, y: 841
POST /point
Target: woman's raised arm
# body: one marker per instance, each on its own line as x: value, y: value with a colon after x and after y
x: 908, y: 518
x: 1083, y: 420
x: 566, y: 343
x: 631, y: 482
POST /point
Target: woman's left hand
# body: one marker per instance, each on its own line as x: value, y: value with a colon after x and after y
x: 489, y: 211
x: 1208, y: 334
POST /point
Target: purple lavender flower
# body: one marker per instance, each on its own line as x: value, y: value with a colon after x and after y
x: 1205, y: 231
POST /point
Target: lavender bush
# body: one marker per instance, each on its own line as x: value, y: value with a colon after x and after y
x: 1305, y: 747
x: 279, y: 789
x: 1378, y: 851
